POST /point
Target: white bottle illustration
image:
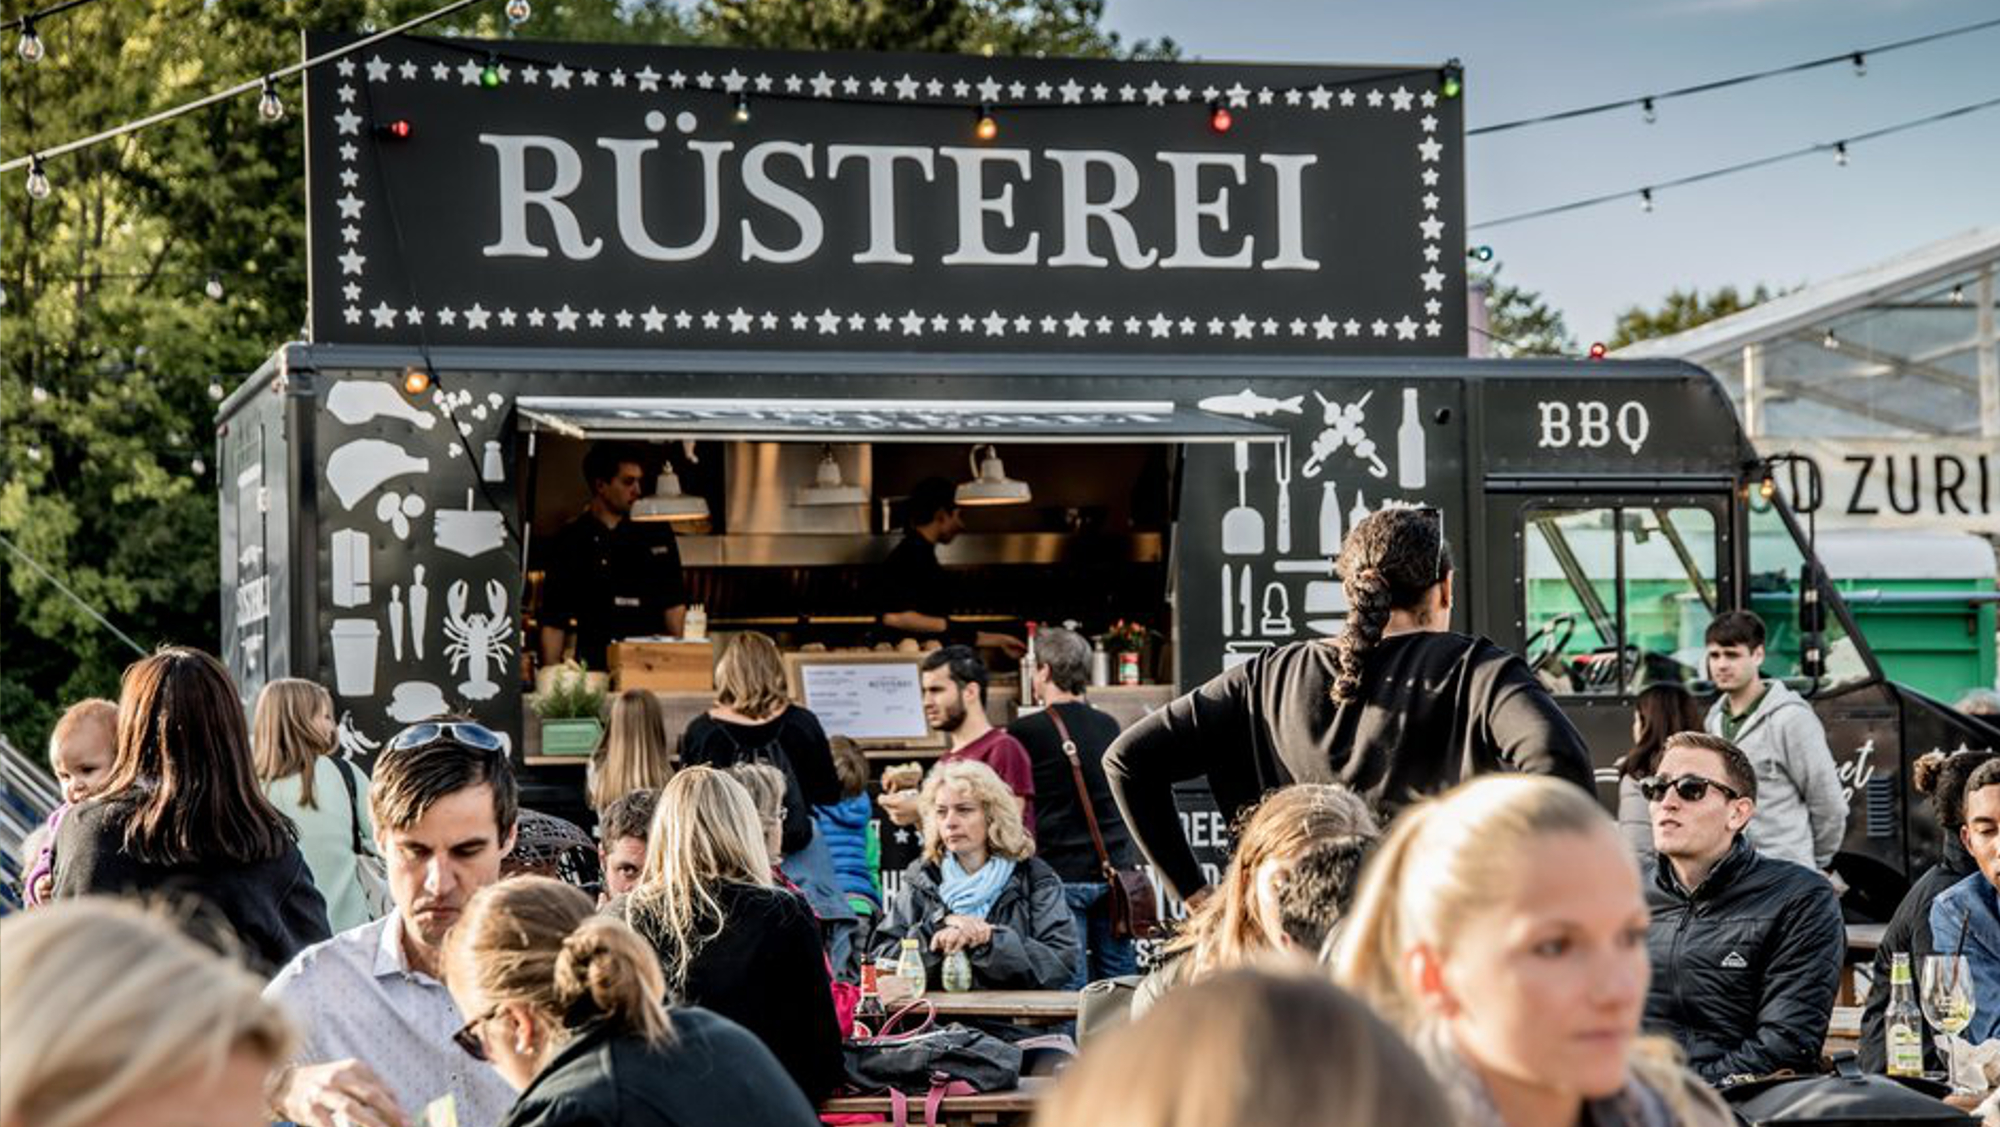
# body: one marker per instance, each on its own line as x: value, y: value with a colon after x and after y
x: 1410, y: 444
x: 1329, y: 520
x: 1359, y: 512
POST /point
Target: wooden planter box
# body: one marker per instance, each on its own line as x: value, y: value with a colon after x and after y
x: 577, y: 737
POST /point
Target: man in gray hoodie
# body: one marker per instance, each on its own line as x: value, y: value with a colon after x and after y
x: 1801, y: 808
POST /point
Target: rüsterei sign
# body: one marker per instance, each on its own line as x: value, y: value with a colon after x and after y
x: 630, y: 197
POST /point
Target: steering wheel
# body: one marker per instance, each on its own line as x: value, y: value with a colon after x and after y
x: 1549, y: 640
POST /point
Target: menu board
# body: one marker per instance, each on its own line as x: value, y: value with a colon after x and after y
x: 865, y: 698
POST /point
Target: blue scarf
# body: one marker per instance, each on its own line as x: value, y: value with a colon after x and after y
x: 1971, y: 898
x: 973, y: 894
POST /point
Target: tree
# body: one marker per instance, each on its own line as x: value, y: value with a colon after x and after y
x: 1683, y: 310
x: 1520, y: 321
x: 115, y: 352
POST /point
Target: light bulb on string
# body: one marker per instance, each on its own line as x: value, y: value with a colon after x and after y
x: 1219, y: 118
x: 1860, y: 62
x: 1597, y: 350
x: 1647, y: 111
x: 30, y: 47
x: 199, y: 467
x: 268, y: 106
x: 1958, y: 295
x: 1646, y: 199
x: 986, y: 128
x: 1480, y: 253
x: 742, y: 114
x: 214, y: 288
x: 1451, y: 79
x: 518, y: 12
x: 1830, y: 342
x: 215, y: 391
x: 38, y: 181
x: 489, y: 75
x: 1840, y: 153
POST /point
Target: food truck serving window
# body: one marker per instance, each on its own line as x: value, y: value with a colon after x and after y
x: 884, y: 420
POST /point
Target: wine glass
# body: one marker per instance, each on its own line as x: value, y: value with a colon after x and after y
x: 1948, y: 1003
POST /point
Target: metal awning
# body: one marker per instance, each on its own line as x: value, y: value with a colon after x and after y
x: 885, y: 420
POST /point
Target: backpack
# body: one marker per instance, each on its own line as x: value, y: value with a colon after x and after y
x: 1847, y: 1098
x: 798, y: 812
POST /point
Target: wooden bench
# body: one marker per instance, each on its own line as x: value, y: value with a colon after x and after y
x: 955, y: 1111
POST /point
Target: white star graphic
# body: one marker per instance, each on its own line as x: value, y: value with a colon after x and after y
x: 994, y: 324
x: 350, y: 263
x: 1374, y: 99
x: 566, y: 318
x: 913, y: 323
x: 793, y: 84
x: 906, y: 87
x: 447, y: 316
x: 1401, y: 99
x: 1430, y: 252
x: 961, y: 88
x: 468, y: 73
x: 1186, y: 326
x: 1406, y: 329
x: 1071, y: 92
x: 704, y: 80
x: 624, y: 318
x: 1321, y: 99
x: 378, y: 69
x: 1429, y: 123
x: 828, y: 322
x: 348, y: 121
x: 532, y: 75
x: 476, y: 317
x: 654, y: 319
x: 348, y: 151
x: 1351, y: 327
x: 350, y: 206
x: 1239, y: 95
x: 1433, y: 307
x: 1428, y: 99
x: 934, y: 88
x: 739, y: 321
x: 1430, y: 201
x: 1017, y: 90
x: 413, y: 315
x: 677, y: 80
x: 850, y: 85
x: 1266, y: 95
x: 346, y: 67
x: 1297, y: 326
x: 1242, y: 326
x: 878, y: 86
x: 1323, y: 327
x: 346, y: 93
x: 618, y: 78
x: 1269, y: 326
x: 352, y: 315
x: 940, y: 323
x: 733, y: 81
x: 1182, y: 93
x: 508, y: 317
x: 1433, y: 328
x: 800, y: 322
x: 884, y: 322
x: 1127, y: 92
x: 989, y: 90
x: 1022, y: 323
x: 589, y: 77
x: 1156, y: 94
x: 767, y: 321
x: 1216, y: 325
x: 1429, y: 149
x: 595, y: 318
x: 856, y: 322
x: 1379, y: 327
x: 822, y: 85
x: 1432, y: 279
x: 1210, y: 93
x: 351, y: 291
x: 440, y: 71
x: 1293, y: 97
x: 1347, y: 99
x: 710, y: 319
x: 559, y: 76
x: 682, y: 319
x: 1098, y: 91
x: 1160, y: 325
x: 1077, y: 325
x: 537, y: 318
x: 1433, y: 227
x: 762, y: 82
x: 349, y: 178
x: 385, y: 317
x: 1430, y: 177
x: 1044, y: 91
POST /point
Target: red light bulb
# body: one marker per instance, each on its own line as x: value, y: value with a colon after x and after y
x: 1597, y: 350
x: 1220, y: 119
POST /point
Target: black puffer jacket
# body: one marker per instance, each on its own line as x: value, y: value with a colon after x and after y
x: 1034, y: 944
x: 1909, y: 930
x: 1746, y: 966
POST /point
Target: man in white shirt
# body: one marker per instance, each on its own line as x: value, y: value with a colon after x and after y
x: 376, y: 1023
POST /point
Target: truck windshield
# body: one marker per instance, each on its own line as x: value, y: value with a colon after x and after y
x: 1617, y: 595
x: 1776, y: 576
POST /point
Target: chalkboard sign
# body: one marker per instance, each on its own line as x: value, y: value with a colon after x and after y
x: 867, y: 697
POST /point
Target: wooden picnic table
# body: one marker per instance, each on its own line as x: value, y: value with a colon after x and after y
x: 1863, y: 940
x: 1013, y: 1106
x: 1023, y: 1007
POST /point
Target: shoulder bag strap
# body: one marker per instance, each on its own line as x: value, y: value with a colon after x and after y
x: 353, y: 804
x: 1082, y: 792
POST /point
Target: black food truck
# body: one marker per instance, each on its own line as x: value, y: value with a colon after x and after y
x: 1190, y: 348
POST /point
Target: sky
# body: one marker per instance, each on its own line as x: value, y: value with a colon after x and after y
x: 1784, y: 226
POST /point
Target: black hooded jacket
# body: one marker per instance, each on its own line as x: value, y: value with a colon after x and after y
x: 1436, y: 708
x: 1746, y: 966
x: 1909, y: 930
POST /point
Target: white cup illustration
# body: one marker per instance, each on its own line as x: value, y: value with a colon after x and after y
x: 355, y: 642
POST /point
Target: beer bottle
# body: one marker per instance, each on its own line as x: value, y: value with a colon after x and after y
x: 1903, y: 1022
x: 868, y: 1011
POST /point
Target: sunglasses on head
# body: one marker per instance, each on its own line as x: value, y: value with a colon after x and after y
x: 1690, y: 788
x: 462, y: 732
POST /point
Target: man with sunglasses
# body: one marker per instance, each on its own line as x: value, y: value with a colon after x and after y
x: 377, y: 1024
x: 1746, y: 949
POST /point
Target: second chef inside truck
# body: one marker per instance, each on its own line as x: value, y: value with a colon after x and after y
x: 913, y: 591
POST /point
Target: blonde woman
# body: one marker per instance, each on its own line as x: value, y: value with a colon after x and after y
x: 565, y: 1005
x: 1249, y: 1048
x: 726, y: 939
x: 292, y: 744
x: 1244, y: 920
x: 1503, y: 929
x: 112, y: 1018
x: 635, y: 755
x: 754, y: 721
x: 979, y: 889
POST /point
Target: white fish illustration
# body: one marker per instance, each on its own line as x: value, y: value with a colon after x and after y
x: 1250, y: 405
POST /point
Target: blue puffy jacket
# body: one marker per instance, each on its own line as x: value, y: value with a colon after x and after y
x: 844, y: 826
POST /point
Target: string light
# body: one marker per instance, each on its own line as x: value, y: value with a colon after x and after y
x: 1451, y: 80
x: 1958, y: 295
x: 38, y: 181
x: 30, y: 48
x: 397, y: 130
x: 215, y: 391
x: 1646, y: 199
x: 1840, y: 153
x: 1830, y: 342
x: 1860, y: 61
x: 416, y: 380
x: 742, y: 108
x: 986, y: 128
x: 1480, y: 253
x: 268, y: 106
x: 1219, y: 117
x: 489, y: 75
x: 1597, y: 350
x: 1647, y: 111
x: 214, y: 288
x: 518, y: 12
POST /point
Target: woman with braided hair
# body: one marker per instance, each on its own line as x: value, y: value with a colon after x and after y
x: 1397, y: 707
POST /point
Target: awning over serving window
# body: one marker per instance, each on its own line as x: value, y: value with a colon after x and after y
x: 885, y: 420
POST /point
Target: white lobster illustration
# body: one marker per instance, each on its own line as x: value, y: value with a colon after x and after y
x: 479, y: 640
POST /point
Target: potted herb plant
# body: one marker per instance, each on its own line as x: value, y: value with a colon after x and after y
x: 571, y: 712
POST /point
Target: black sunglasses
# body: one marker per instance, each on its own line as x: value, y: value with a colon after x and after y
x: 1690, y: 788
x: 462, y: 732
x: 468, y: 1037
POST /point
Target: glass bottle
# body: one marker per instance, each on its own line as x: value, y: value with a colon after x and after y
x: 1903, y: 1022
x: 868, y: 1011
x: 957, y: 972
x: 910, y: 967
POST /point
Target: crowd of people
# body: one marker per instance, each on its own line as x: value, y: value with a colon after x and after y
x: 1427, y: 916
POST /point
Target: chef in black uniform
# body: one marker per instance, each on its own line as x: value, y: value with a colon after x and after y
x: 913, y: 588
x: 607, y: 576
